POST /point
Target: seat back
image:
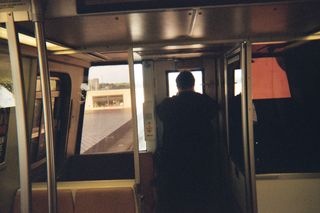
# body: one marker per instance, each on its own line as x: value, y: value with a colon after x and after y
x: 40, y: 201
x: 111, y: 196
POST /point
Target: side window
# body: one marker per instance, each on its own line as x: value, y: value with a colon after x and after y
x: 283, y: 142
x: 107, y: 125
x: 269, y: 79
x: 59, y: 96
x: 234, y: 95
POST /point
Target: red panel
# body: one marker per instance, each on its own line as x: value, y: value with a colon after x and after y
x: 269, y: 80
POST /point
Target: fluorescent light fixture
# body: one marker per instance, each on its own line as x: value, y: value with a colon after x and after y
x: 174, y: 47
x: 65, y: 52
x: 314, y: 36
x: 31, y: 41
x: 268, y: 42
x: 56, y: 47
x: 177, y: 47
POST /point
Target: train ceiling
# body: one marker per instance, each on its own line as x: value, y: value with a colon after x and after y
x: 208, y: 30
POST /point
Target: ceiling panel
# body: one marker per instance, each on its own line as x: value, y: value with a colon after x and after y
x: 257, y: 21
x: 82, y: 31
x: 155, y: 31
x: 109, y: 30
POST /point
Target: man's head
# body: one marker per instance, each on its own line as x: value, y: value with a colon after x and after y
x: 185, y: 81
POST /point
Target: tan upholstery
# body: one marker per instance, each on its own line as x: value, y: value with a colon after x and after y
x: 110, y: 196
x: 40, y: 201
x: 106, y: 200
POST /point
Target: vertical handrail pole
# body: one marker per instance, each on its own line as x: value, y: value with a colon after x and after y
x: 21, y: 116
x: 244, y: 124
x: 134, y: 117
x: 47, y: 110
x: 252, y: 171
x: 247, y: 127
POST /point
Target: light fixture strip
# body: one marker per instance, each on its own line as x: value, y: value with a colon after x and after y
x: 31, y: 41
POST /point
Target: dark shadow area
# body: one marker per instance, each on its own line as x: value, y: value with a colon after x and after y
x: 286, y: 131
x: 98, y: 167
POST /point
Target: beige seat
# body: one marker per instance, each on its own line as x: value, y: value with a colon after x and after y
x: 40, y: 201
x: 105, y: 200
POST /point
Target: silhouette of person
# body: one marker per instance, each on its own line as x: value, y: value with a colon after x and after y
x: 185, y: 173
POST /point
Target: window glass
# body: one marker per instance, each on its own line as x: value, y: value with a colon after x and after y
x: 269, y: 80
x: 237, y: 82
x: 38, y: 145
x: 234, y: 91
x: 107, y: 125
x: 283, y: 134
x: 42, y: 141
x: 4, y: 121
x: 138, y: 74
x: 172, y: 86
x: 35, y: 129
x: 6, y: 99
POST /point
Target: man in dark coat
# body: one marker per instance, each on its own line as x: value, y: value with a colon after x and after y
x: 186, y: 165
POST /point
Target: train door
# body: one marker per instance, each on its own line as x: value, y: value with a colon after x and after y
x: 239, y: 126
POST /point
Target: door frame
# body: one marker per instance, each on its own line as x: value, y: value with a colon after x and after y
x: 242, y: 53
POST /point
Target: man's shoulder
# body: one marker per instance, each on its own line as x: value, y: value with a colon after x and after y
x: 165, y: 103
x: 206, y: 97
x: 164, y: 108
x: 209, y: 101
x: 167, y: 100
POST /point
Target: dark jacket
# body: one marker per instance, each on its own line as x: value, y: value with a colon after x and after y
x: 188, y: 136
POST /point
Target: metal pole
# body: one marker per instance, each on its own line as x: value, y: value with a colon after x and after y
x: 21, y: 117
x: 47, y: 110
x: 134, y: 117
x: 252, y: 171
x: 246, y: 123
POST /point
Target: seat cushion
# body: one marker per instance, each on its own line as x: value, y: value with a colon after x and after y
x: 110, y: 200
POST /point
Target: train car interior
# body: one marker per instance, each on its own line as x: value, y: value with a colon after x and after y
x: 111, y: 62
